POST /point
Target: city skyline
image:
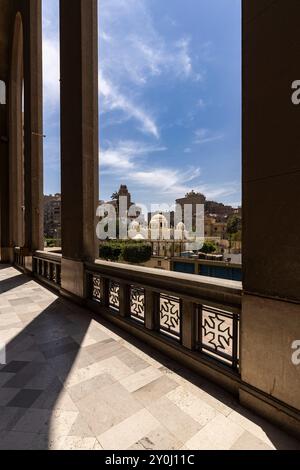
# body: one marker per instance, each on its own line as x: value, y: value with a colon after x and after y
x: 169, y: 87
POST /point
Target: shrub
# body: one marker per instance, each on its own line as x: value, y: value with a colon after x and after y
x: 136, y: 253
x: 131, y: 252
x: 110, y: 251
x: 208, y: 247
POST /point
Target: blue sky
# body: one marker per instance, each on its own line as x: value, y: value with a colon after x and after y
x: 170, y: 98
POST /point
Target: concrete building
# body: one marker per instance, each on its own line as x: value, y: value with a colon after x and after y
x: 213, y: 209
x: 124, y: 193
x: 241, y: 336
x: 52, y: 216
x: 214, y: 229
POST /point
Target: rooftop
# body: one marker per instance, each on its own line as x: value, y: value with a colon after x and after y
x: 73, y: 381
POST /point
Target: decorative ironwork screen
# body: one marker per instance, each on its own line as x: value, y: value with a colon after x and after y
x: 170, y: 315
x: 96, y: 288
x: 114, y: 295
x: 137, y: 303
x: 218, y: 333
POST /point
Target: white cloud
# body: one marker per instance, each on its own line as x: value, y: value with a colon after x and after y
x: 124, y: 155
x: 201, y: 103
x: 132, y: 161
x: 111, y: 99
x: 131, y: 48
x: 132, y: 53
x: 51, y: 72
x: 164, y: 183
x: 204, y: 136
x: 164, y: 180
x: 51, y: 65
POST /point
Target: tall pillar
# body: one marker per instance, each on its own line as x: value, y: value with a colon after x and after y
x: 16, y: 144
x: 79, y: 138
x: 271, y: 208
x: 5, y: 252
x: 33, y: 124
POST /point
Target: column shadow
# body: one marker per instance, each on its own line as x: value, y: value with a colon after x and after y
x: 40, y: 355
x: 39, y: 358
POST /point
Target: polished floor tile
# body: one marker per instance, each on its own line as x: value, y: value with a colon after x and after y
x: 73, y: 382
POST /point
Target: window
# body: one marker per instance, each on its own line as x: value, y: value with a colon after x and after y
x: 2, y: 92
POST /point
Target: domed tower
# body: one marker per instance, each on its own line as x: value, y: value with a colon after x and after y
x: 158, y: 227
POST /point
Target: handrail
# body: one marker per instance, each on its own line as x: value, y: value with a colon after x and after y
x: 217, y: 292
x: 201, y: 314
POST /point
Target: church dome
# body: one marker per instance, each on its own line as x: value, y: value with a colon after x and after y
x: 138, y: 237
x: 134, y: 225
x: 158, y: 221
x: 180, y: 226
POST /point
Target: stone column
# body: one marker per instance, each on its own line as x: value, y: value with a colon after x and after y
x: 5, y: 251
x: 79, y: 138
x: 16, y: 143
x: 271, y: 207
x: 33, y: 125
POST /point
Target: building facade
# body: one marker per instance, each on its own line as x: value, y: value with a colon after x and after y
x: 52, y: 216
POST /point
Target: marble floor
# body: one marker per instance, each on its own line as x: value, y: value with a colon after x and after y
x: 72, y: 381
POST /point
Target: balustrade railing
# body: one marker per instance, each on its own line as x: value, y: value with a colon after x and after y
x: 19, y: 258
x: 202, y: 315
x: 47, y: 268
x: 199, y: 314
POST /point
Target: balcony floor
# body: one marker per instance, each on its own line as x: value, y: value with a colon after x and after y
x: 72, y: 381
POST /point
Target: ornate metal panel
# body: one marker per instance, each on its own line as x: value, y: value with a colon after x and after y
x: 218, y: 334
x: 96, y: 288
x: 170, y: 315
x: 137, y: 303
x: 114, y: 295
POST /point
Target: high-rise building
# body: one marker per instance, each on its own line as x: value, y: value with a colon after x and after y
x: 52, y: 216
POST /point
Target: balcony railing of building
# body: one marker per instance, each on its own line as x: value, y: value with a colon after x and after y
x: 201, y: 316
x: 46, y: 266
x: 195, y: 316
x: 194, y: 319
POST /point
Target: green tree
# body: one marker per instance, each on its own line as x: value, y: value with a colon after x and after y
x: 110, y: 251
x: 234, y: 227
x: 136, y: 253
x: 115, y: 195
x: 131, y: 252
x: 208, y: 247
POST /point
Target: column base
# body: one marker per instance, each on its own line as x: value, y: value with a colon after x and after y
x: 270, y: 366
x: 265, y: 406
x: 6, y: 255
x: 73, y: 277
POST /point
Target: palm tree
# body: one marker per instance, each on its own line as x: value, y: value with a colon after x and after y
x: 115, y: 196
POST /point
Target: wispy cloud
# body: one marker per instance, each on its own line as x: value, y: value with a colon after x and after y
x: 51, y: 65
x: 132, y: 54
x: 133, y: 160
x: 126, y: 155
x: 201, y: 103
x: 133, y: 50
x: 166, y: 180
x: 112, y: 99
x: 204, y: 136
x: 166, y: 184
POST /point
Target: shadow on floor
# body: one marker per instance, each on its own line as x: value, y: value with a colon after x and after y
x: 12, y: 283
x: 40, y: 357
x: 274, y: 433
x: 38, y: 361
